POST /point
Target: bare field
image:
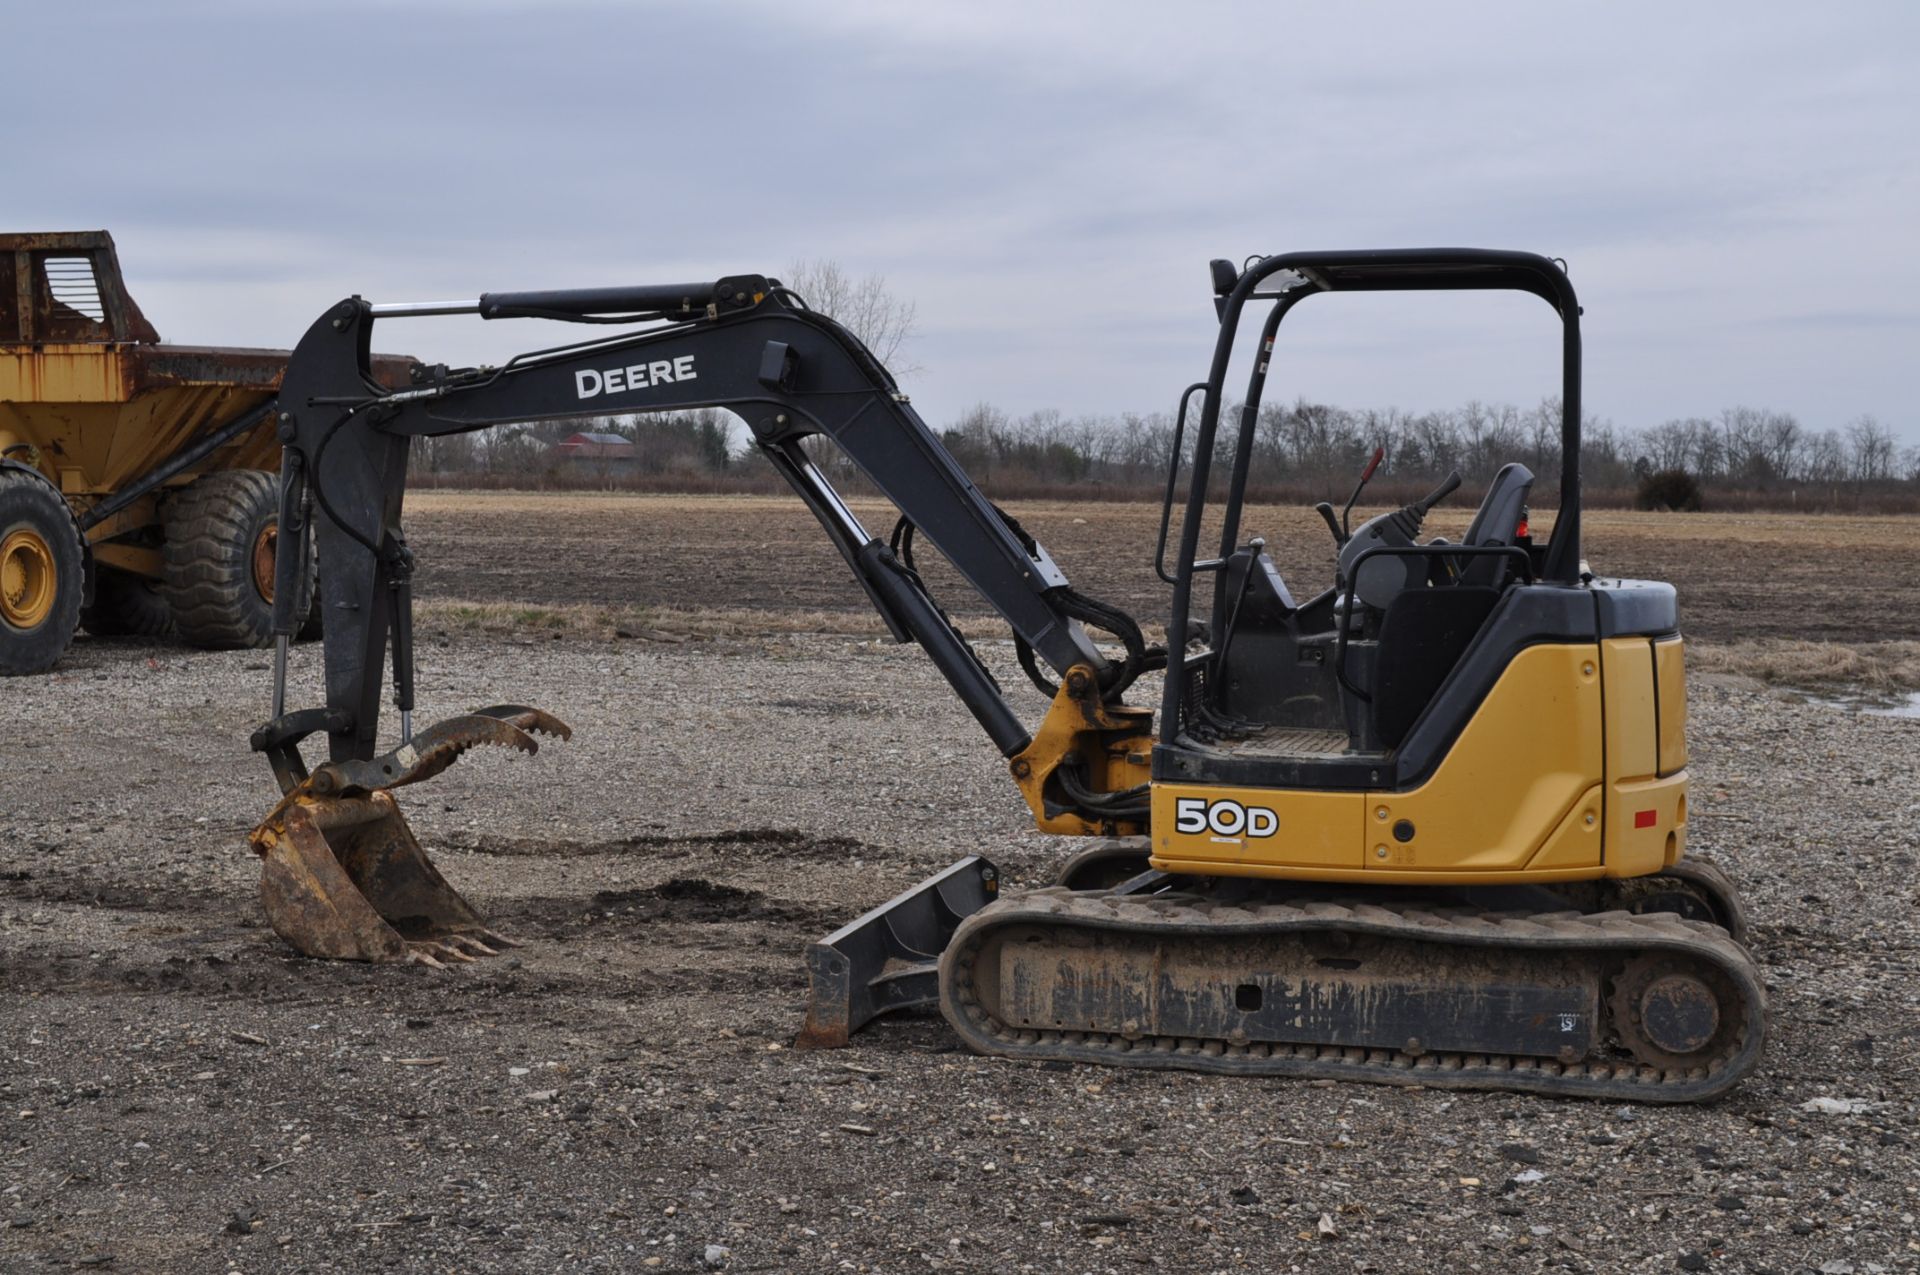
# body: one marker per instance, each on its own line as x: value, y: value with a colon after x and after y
x: 1753, y: 576
x: 180, y: 1093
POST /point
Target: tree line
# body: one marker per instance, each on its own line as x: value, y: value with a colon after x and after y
x: 1306, y: 447
x: 1742, y: 457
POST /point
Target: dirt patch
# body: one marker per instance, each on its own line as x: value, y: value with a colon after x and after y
x: 708, y: 564
x: 695, y: 901
x: 779, y: 843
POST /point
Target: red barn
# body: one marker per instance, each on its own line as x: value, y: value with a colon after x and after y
x: 601, y: 447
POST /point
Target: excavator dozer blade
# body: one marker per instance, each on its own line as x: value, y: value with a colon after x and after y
x: 341, y: 873
x: 889, y: 959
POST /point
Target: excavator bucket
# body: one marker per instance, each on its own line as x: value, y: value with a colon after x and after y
x: 343, y: 876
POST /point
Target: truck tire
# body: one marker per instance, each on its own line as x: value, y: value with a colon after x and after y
x: 221, y: 531
x: 126, y: 605
x: 41, y: 580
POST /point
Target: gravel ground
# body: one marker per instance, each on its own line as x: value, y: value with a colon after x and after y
x: 180, y: 1093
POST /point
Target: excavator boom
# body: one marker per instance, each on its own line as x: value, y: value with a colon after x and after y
x: 741, y: 343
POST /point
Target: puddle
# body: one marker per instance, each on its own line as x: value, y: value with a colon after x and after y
x: 1876, y: 706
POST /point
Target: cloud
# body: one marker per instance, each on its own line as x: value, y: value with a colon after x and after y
x: 1047, y: 182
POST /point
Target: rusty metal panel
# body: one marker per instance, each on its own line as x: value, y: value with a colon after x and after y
x: 62, y: 374
x: 116, y: 412
x: 154, y: 367
x: 39, y: 309
x: 10, y: 307
x: 54, y: 240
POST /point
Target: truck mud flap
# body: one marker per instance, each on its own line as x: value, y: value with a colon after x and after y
x: 889, y: 959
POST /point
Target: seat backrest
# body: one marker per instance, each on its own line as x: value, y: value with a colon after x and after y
x: 1422, y: 636
x: 1494, y: 524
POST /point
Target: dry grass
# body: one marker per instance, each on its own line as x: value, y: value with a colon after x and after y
x: 1877, y: 667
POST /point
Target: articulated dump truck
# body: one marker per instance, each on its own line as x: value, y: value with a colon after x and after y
x: 138, y: 479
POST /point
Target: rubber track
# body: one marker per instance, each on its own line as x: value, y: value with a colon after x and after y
x: 1612, y: 936
x: 208, y: 581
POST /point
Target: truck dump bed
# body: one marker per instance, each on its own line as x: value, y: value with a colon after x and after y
x: 136, y: 477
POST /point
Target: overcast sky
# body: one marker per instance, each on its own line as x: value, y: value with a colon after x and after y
x: 1735, y: 187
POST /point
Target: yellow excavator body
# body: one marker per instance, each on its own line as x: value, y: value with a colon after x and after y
x: 1589, y: 775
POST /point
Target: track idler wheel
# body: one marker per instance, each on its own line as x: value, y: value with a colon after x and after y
x: 1673, y: 1013
x: 342, y: 875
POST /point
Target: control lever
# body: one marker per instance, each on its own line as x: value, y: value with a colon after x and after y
x: 1438, y: 494
x: 1346, y: 515
x: 1325, y: 510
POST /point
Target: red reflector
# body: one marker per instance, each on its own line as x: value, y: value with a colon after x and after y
x: 1521, y: 532
x: 1645, y: 818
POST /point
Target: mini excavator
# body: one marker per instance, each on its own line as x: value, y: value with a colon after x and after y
x: 1425, y: 827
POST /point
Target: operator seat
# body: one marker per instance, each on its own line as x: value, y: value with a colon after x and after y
x: 1424, y: 632
x: 1495, y: 523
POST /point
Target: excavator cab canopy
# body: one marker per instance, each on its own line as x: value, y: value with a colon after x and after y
x: 1278, y: 284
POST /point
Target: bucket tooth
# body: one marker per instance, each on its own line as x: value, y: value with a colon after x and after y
x: 342, y: 875
x: 537, y: 720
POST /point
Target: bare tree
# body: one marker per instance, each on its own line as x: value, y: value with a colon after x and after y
x: 1873, y: 449
x: 1826, y: 457
x: 1784, y: 439
x: 863, y: 305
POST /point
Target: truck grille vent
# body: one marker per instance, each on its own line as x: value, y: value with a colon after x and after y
x: 71, y: 281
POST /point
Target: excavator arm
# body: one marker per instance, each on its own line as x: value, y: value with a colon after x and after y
x: 741, y: 343
x: 789, y: 373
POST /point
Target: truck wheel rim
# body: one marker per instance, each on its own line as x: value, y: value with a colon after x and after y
x: 263, y: 547
x: 28, y: 579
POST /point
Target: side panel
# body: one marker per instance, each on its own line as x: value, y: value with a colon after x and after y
x: 1646, y: 755
x: 1646, y: 824
x: 1632, y: 741
x: 1276, y: 832
x: 1529, y: 757
x: 1670, y: 675
x: 1519, y: 796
